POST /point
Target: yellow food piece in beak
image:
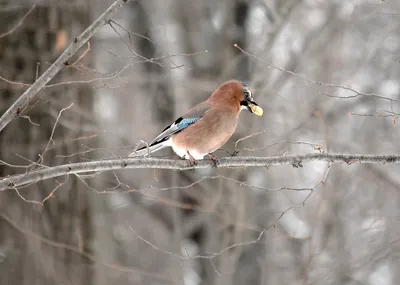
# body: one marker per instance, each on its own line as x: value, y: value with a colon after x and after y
x: 256, y: 110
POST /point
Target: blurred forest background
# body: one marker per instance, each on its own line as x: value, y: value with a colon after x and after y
x: 325, y: 72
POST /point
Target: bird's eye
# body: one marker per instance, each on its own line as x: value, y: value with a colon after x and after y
x: 247, y: 94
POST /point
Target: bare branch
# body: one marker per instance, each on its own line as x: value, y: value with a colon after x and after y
x: 82, y: 55
x: 52, y: 133
x: 19, y: 84
x: 19, y: 22
x: 19, y: 105
x: 157, y: 163
x: 71, y: 248
x: 330, y: 85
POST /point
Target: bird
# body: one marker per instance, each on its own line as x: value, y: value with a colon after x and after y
x: 207, y: 126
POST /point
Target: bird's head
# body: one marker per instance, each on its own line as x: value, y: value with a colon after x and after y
x: 248, y: 102
x: 238, y: 95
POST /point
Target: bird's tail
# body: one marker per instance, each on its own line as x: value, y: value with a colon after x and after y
x: 143, y: 151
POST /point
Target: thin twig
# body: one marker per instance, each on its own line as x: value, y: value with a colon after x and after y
x: 82, y: 55
x: 70, y: 248
x: 19, y: 84
x: 41, y: 156
x: 330, y: 85
x: 19, y: 22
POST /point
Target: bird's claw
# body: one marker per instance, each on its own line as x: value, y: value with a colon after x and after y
x: 192, y: 161
x: 214, y: 158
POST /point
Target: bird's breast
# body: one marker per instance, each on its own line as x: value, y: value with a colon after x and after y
x: 207, y: 135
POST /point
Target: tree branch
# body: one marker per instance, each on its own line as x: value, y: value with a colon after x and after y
x: 19, y: 180
x: 15, y: 110
x: 19, y: 22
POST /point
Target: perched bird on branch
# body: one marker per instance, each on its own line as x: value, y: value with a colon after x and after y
x: 207, y: 126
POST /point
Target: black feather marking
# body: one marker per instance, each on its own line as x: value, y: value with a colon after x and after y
x: 178, y: 120
x: 180, y: 124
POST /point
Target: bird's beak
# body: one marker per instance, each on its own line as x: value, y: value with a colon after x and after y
x: 255, y: 109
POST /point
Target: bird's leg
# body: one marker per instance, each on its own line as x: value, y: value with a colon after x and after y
x: 192, y: 160
x: 214, y: 158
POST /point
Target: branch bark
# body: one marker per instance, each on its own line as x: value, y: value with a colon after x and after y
x: 18, y: 106
x: 19, y: 180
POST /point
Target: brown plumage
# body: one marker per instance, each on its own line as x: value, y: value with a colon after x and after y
x: 207, y: 126
x: 218, y: 124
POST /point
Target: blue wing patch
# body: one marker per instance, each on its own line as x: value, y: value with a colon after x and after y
x: 186, y: 122
x: 179, y: 125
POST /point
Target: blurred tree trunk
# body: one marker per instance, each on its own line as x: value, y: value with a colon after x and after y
x: 36, y: 240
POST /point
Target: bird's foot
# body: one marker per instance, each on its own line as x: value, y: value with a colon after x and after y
x: 214, y: 158
x: 193, y: 161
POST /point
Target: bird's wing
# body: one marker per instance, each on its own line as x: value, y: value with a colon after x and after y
x: 148, y: 149
x: 192, y: 116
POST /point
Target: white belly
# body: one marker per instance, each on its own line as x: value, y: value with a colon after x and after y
x: 183, y: 153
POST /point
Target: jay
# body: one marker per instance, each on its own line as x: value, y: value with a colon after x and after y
x: 207, y: 126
